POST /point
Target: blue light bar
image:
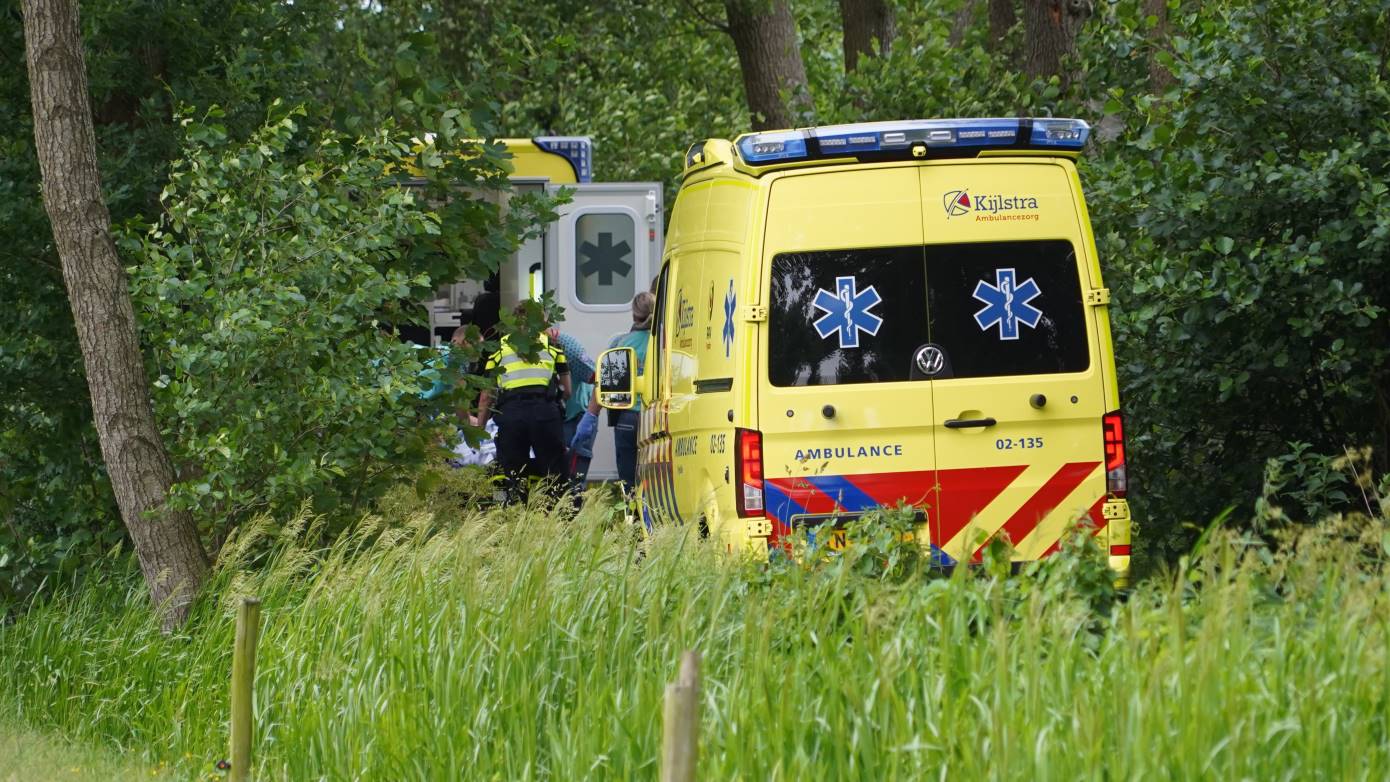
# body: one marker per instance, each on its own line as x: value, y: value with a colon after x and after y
x: 771, y: 147
x: 1063, y: 133
x: 578, y: 150
x: 870, y: 138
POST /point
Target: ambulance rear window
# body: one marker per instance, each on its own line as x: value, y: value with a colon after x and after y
x: 846, y: 316
x: 863, y: 315
x: 1007, y: 308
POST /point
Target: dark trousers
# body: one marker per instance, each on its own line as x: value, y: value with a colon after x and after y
x: 523, y: 426
x: 625, y: 443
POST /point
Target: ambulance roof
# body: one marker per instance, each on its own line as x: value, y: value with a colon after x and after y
x: 563, y: 160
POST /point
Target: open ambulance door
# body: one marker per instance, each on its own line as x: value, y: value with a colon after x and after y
x: 604, y: 249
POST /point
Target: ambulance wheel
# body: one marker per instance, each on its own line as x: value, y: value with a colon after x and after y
x: 704, y: 527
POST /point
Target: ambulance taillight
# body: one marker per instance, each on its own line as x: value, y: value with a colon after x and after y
x: 1115, y: 480
x: 748, y: 464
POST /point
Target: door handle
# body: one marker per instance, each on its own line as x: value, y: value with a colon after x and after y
x: 969, y: 423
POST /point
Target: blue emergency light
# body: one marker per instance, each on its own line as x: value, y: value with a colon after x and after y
x: 886, y: 138
x: 578, y: 150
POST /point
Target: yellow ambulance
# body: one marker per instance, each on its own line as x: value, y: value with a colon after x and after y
x: 882, y: 314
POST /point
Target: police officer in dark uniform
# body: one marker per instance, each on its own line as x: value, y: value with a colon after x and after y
x: 528, y: 418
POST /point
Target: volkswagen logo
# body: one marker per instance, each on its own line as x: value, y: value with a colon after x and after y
x: 930, y: 360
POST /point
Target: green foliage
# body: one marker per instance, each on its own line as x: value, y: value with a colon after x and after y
x: 924, y: 76
x: 1312, y: 483
x: 361, y: 69
x: 1301, y: 484
x: 1245, y: 222
x: 645, y: 80
x: 264, y: 292
x: 530, y: 644
x: 881, y: 545
x: 259, y: 293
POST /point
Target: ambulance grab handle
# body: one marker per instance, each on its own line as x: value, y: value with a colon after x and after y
x: 967, y: 423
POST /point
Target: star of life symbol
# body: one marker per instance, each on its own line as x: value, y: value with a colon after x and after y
x: 847, y: 311
x: 730, y: 300
x: 1006, y: 303
x: 605, y: 258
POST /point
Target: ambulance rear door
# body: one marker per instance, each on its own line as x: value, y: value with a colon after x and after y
x: 846, y: 424
x: 1017, y: 387
x: 603, y: 249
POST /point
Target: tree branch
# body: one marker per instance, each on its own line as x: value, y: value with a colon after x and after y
x: 695, y: 11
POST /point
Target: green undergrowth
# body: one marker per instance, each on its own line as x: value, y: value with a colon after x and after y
x: 445, y: 643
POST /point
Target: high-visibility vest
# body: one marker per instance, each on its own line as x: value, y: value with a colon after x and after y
x: 517, y: 372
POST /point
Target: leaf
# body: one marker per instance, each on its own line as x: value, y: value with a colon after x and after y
x: 427, y: 483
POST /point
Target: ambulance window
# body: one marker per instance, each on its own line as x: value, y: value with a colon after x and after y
x: 846, y: 316
x: 1007, y: 308
x: 603, y: 258
x: 657, y: 347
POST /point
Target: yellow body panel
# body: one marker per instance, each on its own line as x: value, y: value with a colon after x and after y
x: 528, y: 161
x: 830, y: 448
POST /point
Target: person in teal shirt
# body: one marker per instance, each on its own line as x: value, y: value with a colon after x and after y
x: 624, y: 422
x: 582, y: 382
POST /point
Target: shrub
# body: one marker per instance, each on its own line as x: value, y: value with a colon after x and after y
x: 266, y: 292
x: 1244, y: 221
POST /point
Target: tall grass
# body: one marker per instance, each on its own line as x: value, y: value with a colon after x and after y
x: 531, y: 645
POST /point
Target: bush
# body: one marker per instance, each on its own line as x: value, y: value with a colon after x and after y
x: 266, y: 292
x: 1244, y: 221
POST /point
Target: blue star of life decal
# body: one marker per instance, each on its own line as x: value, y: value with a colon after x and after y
x: 730, y: 301
x: 1006, y: 303
x: 847, y: 311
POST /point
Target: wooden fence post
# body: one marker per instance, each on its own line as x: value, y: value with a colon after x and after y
x: 248, y: 617
x: 681, y: 726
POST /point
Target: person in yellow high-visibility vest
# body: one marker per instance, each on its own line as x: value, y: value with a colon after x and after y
x: 527, y: 412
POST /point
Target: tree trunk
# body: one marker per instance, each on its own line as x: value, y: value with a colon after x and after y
x: 965, y: 19
x: 1160, y: 78
x: 166, y: 542
x: 1050, y: 27
x: 864, y: 22
x: 1002, y: 18
x: 764, y: 34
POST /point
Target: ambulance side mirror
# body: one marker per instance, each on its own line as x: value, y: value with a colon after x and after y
x: 617, y: 371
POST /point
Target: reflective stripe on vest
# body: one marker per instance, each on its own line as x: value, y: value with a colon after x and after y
x: 519, y: 373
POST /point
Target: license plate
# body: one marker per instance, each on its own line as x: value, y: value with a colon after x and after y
x: 830, y: 537
x: 837, y: 541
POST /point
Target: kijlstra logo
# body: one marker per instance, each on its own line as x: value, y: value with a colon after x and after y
x: 956, y: 202
x: 960, y: 202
